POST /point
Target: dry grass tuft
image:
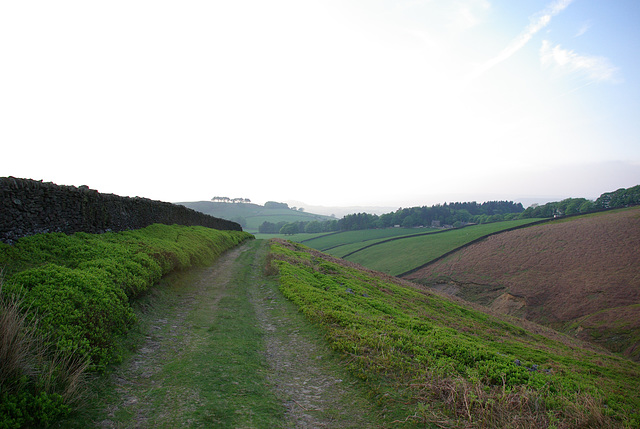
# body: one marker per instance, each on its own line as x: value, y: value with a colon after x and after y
x: 17, y: 343
x: 28, y: 359
x: 270, y: 268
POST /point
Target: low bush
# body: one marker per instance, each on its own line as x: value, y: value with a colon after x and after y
x: 66, y: 301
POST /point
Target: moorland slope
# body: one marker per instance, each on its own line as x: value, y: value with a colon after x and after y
x: 580, y: 276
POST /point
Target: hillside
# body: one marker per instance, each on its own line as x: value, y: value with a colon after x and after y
x: 398, y: 255
x: 580, y: 276
x: 436, y: 361
x: 251, y: 216
x: 343, y: 242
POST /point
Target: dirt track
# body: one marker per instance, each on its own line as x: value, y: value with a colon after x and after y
x: 299, y: 370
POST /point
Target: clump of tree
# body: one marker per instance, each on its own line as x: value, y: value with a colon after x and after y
x: 569, y: 206
x: 275, y: 205
x: 620, y: 198
x: 230, y: 200
x: 456, y: 214
x: 572, y: 206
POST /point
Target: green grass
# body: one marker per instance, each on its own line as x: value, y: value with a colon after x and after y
x: 253, y: 214
x: 208, y: 370
x: 399, y: 256
x: 351, y: 240
x: 226, y: 366
x: 295, y: 237
x: 359, y: 238
x: 430, y: 360
x: 76, y: 291
x: 218, y: 375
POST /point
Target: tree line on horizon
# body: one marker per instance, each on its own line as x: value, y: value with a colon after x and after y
x: 289, y: 228
x: 459, y: 214
x: 623, y: 197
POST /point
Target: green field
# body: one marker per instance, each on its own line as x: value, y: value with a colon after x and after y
x: 344, y: 242
x: 295, y: 237
x: 399, y: 256
x: 430, y: 361
x: 252, y: 215
x: 363, y: 237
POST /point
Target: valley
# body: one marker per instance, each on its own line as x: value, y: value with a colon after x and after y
x: 513, y: 321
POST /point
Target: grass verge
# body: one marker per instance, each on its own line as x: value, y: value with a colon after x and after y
x: 68, y: 298
x: 196, y: 359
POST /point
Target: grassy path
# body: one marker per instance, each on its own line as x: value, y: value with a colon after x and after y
x: 221, y: 347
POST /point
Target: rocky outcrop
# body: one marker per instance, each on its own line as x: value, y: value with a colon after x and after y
x: 30, y: 207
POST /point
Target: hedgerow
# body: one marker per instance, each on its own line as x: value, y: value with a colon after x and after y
x: 68, y: 299
x: 442, y: 362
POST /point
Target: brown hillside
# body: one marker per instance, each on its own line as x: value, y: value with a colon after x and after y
x: 581, y: 276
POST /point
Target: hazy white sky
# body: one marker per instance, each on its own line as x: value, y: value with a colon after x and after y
x: 333, y: 102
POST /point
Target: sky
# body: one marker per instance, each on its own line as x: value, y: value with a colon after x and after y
x: 331, y: 103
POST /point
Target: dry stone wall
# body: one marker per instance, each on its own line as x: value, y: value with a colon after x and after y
x: 30, y: 207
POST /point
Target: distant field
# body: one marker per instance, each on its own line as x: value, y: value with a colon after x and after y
x: 275, y: 216
x: 399, y: 256
x: 361, y: 238
x: 253, y: 214
x: 343, y: 242
x: 296, y: 237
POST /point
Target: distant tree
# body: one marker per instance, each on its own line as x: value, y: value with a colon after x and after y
x: 289, y: 229
x: 573, y: 206
x: 587, y: 206
x: 301, y: 209
x: 462, y: 215
x: 313, y: 227
x: 267, y: 228
x: 619, y: 198
x: 330, y: 226
x: 275, y: 205
x: 411, y: 221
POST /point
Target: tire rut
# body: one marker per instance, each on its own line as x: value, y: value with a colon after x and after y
x: 167, y: 336
x: 313, y: 390
x: 314, y: 394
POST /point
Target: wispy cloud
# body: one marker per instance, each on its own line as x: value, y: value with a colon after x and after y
x: 585, y: 27
x: 468, y: 13
x: 594, y: 68
x: 536, y: 23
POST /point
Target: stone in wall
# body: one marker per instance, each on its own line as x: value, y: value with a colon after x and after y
x: 30, y: 207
